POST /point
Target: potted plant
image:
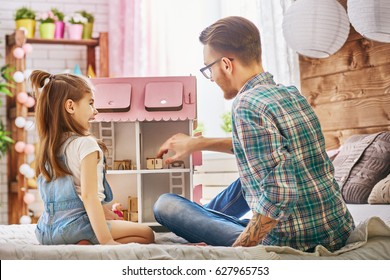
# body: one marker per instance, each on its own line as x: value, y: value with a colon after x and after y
x: 75, y: 25
x: 25, y: 19
x: 88, y: 26
x: 59, y: 23
x: 227, y: 122
x: 47, y: 26
x: 5, y: 140
x: 199, y: 130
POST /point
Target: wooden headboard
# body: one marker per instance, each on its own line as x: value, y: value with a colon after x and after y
x: 350, y: 90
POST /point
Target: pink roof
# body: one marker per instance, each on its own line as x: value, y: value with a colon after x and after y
x: 145, y: 98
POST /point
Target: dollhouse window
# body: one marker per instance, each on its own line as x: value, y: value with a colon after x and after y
x: 164, y: 96
x: 119, y: 99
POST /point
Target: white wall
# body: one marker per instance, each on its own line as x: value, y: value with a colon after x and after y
x: 51, y: 58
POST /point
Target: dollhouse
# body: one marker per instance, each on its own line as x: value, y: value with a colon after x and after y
x: 136, y: 115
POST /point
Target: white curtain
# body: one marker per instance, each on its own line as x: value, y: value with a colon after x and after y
x: 160, y: 38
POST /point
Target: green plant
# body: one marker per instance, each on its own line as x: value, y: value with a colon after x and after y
x: 75, y: 18
x: 90, y: 18
x: 227, y: 122
x: 47, y: 17
x: 5, y: 140
x: 60, y: 15
x: 25, y: 13
x: 199, y: 128
x: 5, y: 72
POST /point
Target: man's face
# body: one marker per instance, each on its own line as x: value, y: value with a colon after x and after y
x: 219, y: 73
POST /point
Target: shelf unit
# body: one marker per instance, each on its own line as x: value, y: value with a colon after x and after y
x: 138, y: 134
x: 145, y: 184
x: 16, y: 181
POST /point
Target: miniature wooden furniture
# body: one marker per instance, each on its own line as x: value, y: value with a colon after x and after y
x: 143, y: 113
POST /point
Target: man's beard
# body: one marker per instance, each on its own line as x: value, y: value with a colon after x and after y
x: 228, y: 91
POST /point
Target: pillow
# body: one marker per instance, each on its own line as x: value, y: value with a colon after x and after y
x: 380, y: 194
x: 362, y: 162
x: 333, y: 153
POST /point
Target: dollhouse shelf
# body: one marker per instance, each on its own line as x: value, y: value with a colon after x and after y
x: 136, y: 116
x: 146, y: 171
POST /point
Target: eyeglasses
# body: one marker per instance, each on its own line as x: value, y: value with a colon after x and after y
x: 206, y: 71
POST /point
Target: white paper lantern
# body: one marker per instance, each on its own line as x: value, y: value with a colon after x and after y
x: 316, y: 28
x: 29, y: 174
x: 20, y: 122
x: 371, y: 18
x: 24, y: 168
x: 28, y: 198
x: 18, y: 76
x: 25, y: 220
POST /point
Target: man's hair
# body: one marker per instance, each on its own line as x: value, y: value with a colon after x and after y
x: 234, y: 36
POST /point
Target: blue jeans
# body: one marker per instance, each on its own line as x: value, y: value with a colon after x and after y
x: 216, y: 223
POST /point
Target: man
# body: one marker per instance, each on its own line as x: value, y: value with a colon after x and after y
x: 286, y: 177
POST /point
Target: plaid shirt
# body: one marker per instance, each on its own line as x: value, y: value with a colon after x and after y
x: 284, y: 169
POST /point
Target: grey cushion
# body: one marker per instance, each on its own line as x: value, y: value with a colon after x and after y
x: 363, y: 161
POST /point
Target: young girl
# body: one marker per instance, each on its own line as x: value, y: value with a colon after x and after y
x: 70, y: 164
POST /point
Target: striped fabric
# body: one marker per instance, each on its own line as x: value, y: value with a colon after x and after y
x: 284, y: 169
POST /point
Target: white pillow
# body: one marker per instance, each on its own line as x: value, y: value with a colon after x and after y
x: 380, y: 194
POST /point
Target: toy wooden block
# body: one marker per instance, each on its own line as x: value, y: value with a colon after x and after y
x: 154, y: 163
x: 126, y: 215
x: 132, y: 204
x: 133, y: 216
x: 150, y: 163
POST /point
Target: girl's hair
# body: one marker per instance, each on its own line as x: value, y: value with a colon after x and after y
x: 235, y: 36
x: 52, y: 120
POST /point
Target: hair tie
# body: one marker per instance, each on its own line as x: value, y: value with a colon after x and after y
x: 48, y: 79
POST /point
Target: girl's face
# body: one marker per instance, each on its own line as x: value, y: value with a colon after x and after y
x: 85, y: 111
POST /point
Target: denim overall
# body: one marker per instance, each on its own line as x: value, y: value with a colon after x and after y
x: 64, y: 220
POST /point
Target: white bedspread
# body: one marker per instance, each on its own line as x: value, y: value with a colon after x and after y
x: 370, y: 240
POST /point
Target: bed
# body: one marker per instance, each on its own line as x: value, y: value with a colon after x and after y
x: 370, y: 240
x: 362, y: 169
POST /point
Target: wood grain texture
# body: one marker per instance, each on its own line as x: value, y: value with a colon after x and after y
x: 335, y: 138
x: 350, y: 90
x: 349, y: 85
x: 357, y: 113
x: 354, y: 55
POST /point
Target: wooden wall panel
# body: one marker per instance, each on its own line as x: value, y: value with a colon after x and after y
x: 336, y: 138
x: 354, y: 55
x: 359, y: 113
x: 361, y: 84
x: 350, y: 90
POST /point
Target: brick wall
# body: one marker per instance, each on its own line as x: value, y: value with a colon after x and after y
x: 51, y: 58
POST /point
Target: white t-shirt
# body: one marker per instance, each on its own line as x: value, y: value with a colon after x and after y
x: 75, y: 152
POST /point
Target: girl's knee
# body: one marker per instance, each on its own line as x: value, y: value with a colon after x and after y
x: 150, y: 236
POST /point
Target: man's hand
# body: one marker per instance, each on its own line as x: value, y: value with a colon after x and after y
x: 183, y: 145
x: 179, y: 143
x: 258, y: 227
